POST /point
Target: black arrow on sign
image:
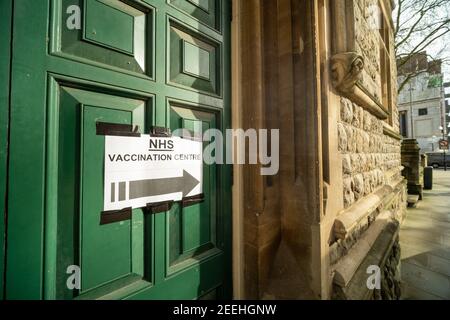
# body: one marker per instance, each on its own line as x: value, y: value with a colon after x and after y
x: 157, y: 187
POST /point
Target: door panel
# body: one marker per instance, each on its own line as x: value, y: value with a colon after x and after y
x: 105, y: 250
x: 207, y: 11
x: 113, y: 33
x: 140, y: 62
x: 193, y: 60
x: 192, y: 231
x: 105, y: 253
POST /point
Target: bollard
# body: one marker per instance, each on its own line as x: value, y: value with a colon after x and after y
x: 428, y: 178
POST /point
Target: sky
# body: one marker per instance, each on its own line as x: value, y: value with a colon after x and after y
x: 441, y: 45
x: 436, y: 47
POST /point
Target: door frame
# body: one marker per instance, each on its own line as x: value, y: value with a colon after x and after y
x: 238, y: 178
x: 5, y: 71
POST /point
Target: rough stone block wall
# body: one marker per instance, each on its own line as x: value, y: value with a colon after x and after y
x: 374, y: 191
x: 368, y: 155
x: 395, y: 113
x: 385, y: 252
x: 370, y: 160
x: 367, y: 44
x: 390, y: 282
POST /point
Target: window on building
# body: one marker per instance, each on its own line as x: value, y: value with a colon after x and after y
x: 403, y: 123
x: 423, y: 112
x: 385, y: 64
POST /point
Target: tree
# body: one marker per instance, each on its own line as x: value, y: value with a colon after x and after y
x: 420, y: 25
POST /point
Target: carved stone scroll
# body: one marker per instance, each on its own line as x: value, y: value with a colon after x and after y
x: 346, y: 69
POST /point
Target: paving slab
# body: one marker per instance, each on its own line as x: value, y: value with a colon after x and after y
x: 425, y: 242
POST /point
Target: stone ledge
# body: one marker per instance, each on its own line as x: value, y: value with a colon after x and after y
x: 350, y: 218
x: 355, y: 288
x: 347, y: 266
x: 362, y: 96
x: 390, y: 174
x: 389, y: 131
x: 396, y: 186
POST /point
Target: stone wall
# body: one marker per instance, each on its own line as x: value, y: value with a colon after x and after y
x: 395, y: 111
x: 384, y: 254
x: 371, y: 167
x: 367, y: 44
x: 412, y: 167
x: 390, y: 278
x: 278, y: 212
x: 368, y: 155
x: 373, y: 189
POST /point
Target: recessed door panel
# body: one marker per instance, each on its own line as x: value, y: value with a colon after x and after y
x: 116, y: 28
x: 105, y: 253
x: 194, y: 60
x: 113, y: 33
x: 207, y: 11
x: 105, y: 249
x: 192, y: 230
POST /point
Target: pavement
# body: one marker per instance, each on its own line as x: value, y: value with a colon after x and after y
x: 425, y: 243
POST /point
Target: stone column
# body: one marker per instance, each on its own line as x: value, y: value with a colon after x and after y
x: 413, y: 170
x: 424, y: 160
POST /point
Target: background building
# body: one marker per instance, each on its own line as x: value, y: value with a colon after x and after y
x: 421, y: 102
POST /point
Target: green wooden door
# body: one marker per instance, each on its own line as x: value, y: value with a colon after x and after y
x: 5, y: 59
x: 142, y: 62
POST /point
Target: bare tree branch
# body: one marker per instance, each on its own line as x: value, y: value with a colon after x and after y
x: 426, y: 41
x: 408, y: 78
x: 397, y: 22
x: 419, y: 25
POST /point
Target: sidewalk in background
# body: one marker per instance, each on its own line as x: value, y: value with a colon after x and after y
x: 425, y: 243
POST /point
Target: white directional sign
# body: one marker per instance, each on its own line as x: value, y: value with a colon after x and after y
x: 146, y: 170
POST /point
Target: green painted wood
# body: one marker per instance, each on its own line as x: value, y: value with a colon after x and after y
x: 115, y: 29
x: 201, y: 278
x: 5, y: 50
x: 203, y: 4
x: 56, y: 175
x: 191, y: 231
x: 24, y: 269
x: 196, y: 61
x: 106, y: 250
x: 206, y: 11
x: 198, y: 68
x: 105, y: 46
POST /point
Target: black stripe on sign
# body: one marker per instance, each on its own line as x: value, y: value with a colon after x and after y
x: 122, y: 191
x: 113, y: 192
